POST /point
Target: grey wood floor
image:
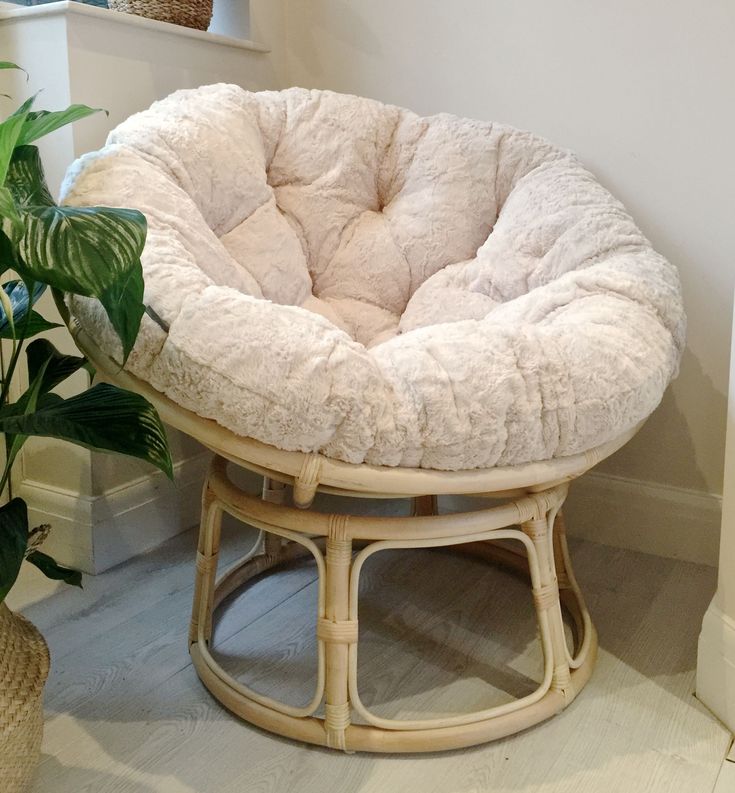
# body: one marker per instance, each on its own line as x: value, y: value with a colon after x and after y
x: 126, y: 712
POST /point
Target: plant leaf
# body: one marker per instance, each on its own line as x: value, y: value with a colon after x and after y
x: 18, y: 299
x: 9, y: 210
x: 8, y: 314
x: 90, y: 251
x: 42, y: 122
x: 26, y: 180
x: 42, y: 355
x: 36, y: 324
x: 105, y: 418
x: 24, y: 109
x: 13, y: 542
x: 47, y: 367
x: 26, y: 404
x: 10, y: 130
x: 8, y: 255
x: 18, y: 296
x: 52, y: 569
x: 123, y: 302
x: 88, y: 236
x: 18, y: 408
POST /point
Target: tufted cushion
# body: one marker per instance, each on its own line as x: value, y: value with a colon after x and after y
x: 334, y: 274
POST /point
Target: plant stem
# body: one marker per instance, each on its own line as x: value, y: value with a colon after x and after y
x: 18, y: 339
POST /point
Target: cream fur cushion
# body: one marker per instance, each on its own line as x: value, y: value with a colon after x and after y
x: 334, y: 274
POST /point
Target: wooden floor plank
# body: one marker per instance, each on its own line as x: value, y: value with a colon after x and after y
x: 127, y: 714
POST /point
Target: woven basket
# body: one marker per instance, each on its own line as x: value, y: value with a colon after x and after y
x: 189, y: 13
x: 24, y: 667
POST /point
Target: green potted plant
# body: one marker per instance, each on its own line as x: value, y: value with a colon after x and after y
x: 94, y: 252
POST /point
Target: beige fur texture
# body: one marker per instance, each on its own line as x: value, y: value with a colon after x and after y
x: 343, y: 276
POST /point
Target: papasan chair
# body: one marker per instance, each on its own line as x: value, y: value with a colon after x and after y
x: 345, y: 297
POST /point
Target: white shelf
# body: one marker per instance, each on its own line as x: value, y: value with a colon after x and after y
x: 10, y: 13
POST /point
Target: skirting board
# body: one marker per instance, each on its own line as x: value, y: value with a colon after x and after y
x: 645, y: 516
x: 94, y: 534
x: 641, y: 516
x: 716, y: 665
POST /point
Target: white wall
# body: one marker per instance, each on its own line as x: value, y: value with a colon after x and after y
x: 716, y: 649
x: 642, y: 91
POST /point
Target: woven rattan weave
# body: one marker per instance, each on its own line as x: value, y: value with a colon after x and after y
x: 24, y: 667
x: 189, y: 13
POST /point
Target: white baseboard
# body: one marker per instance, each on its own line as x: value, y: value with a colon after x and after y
x: 645, y: 516
x: 716, y: 665
x: 641, y: 516
x: 93, y: 534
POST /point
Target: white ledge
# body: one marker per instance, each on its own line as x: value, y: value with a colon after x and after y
x: 107, y: 15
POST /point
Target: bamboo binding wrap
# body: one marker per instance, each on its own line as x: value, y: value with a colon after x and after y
x: 189, y: 13
x: 24, y: 667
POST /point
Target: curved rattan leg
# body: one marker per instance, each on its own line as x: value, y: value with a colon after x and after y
x: 235, y: 695
x: 572, y: 597
x: 275, y: 493
x: 566, y: 591
x: 337, y: 632
x: 547, y: 601
x: 206, y: 564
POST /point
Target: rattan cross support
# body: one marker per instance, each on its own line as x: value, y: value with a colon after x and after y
x: 531, y: 514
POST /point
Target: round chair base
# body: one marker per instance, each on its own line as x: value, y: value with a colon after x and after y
x: 340, y: 544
